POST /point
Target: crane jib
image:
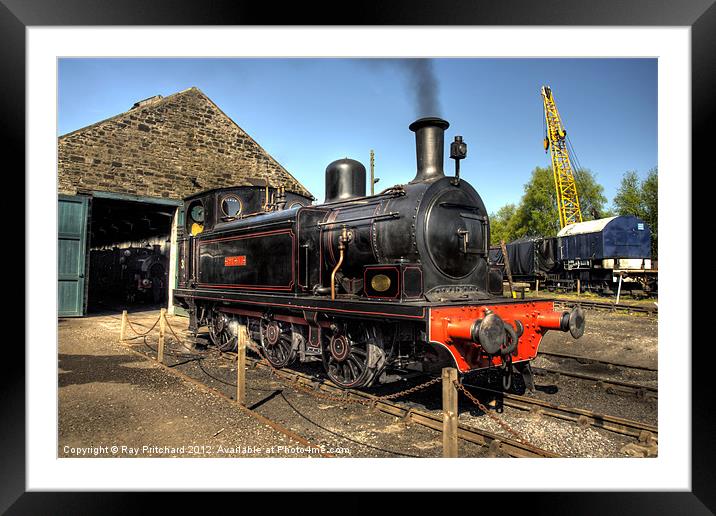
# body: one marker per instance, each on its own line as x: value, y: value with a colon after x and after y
x: 564, y: 181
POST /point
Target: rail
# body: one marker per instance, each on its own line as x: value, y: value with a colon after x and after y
x: 590, y: 360
x: 599, y: 305
x: 608, y: 384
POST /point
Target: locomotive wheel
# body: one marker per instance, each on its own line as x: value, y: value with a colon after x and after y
x: 350, y: 356
x: 277, y: 343
x: 220, y: 331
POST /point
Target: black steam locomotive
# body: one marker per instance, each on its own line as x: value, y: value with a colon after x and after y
x: 367, y: 285
x: 129, y: 274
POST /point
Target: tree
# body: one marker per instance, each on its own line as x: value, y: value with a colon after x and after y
x: 650, y: 192
x: 537, y: 213
x: 641, y: 198
x: 591, y: 196
x: 629, y: 199
x: 500, y: 224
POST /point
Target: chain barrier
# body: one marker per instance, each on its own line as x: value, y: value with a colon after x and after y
x: 193, y: 353
x: 174, y: 353
x: 484, y: 409
x: 411, y: 390
x: 178, y: 339
x: 139, y: 335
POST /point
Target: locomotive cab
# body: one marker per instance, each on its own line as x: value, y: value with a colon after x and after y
x: 218, y: 209
x: 206, y: 210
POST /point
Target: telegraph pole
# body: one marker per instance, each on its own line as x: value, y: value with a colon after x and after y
x: 372, y: 172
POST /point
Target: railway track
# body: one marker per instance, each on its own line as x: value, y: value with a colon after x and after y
x: 494, y: 442
x: 609, y: 385
x: 606, y: 306
x: 590, y: 360
x: 644, y: 432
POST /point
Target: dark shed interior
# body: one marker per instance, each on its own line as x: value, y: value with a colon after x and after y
x: 129, y: 255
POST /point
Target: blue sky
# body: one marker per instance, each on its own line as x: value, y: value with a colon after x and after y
x: 308, y: 112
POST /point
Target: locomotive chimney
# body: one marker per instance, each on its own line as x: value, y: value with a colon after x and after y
x: 345, y: 179
x: 429, y: 147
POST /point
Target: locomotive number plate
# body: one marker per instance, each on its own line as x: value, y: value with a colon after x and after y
x: 235, y: 261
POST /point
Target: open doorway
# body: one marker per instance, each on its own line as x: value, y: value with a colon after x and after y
x: 129, y: 257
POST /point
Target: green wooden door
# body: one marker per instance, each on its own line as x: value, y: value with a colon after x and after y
x: 71, y: 255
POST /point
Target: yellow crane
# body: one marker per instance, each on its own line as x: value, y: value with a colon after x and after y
x: 556, y: 140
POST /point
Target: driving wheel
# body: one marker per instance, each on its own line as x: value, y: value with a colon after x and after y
x: 277, y: 342
x: 351, y: 356
x: 221, y: 331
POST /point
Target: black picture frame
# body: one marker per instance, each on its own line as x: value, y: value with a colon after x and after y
x: 700, y: 15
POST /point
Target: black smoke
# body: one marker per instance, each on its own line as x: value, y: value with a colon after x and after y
x: 419, y: 79
x: 423, y: 85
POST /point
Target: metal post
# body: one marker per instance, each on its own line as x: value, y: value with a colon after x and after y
x: 123, y: 326
x: 162, y: 329
x: 449, y: 377
x: 241, y: 366
x: 619, y: 289
x: 537, y: 287
x: 372, y: 172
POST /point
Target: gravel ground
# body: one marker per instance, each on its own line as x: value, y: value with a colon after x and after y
x: 110, y: 396
x: 566, y: 439
x: 630, y: 339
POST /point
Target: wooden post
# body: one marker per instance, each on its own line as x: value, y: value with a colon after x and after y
x: 449, y: 377
x: 241, y: 366
x: 123, y: 326
x: 619, y: 289
x: 506, y: 259
x: 162, y: 329
x: 579, y: 287
x: 537, y: 286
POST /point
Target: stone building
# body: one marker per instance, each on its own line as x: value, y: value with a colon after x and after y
x: 121, y: 182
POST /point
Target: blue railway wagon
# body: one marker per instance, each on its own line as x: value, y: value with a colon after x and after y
x: 611, y: 243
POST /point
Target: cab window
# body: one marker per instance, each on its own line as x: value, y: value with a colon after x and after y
x: 231, y: 206
x: 195, y: 220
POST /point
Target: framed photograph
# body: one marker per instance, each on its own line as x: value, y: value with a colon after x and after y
x: 175, y: 154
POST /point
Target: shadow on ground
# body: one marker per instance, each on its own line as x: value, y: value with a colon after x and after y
x: 83, y: 369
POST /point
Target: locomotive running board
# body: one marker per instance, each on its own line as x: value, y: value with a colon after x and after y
x: 346, y: 307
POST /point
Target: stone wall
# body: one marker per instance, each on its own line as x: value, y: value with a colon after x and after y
x: 166, y: 147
